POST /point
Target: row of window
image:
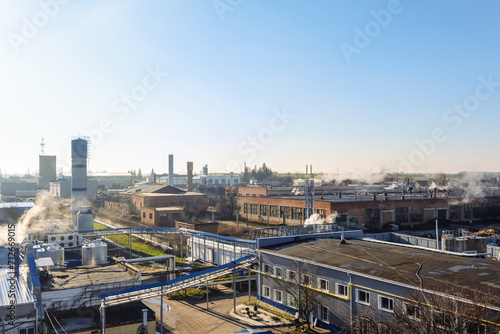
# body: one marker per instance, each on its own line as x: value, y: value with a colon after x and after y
x: 323, y: 311
x: 275, y: 211
x: 321, y: 284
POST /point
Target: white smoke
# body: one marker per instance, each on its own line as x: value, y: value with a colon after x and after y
x: 369, y: 178
x: 316, y: 219
x: 37, y: 221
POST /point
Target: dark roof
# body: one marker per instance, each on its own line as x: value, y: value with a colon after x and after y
x: 400, y: 264
x: 154, y: 188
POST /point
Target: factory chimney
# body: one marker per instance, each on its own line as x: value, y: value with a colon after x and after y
x: 311, y: 169
x: 190, y: 176
x: 170, y: 169
x: 79, y: 154
x: 307, y: 170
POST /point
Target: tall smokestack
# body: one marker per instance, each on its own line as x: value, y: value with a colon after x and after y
x: 307, y: 169
x: 190, y: 175
x: 170, y: 169
x: 311, y: 169
x: 79, y: 149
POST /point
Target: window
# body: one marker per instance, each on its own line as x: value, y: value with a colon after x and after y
x: 363, y: 297
x: 441, y: 213
x: 27, y: 331
x: 386, y: 304
x: 266, y: 291
x: 291, y: 275
x: 144, y: 215
x: 263, y: 210
x: 323, y: 284
x: 275, y: 211
x: 412, y: 311
x: 265, y: 268
x: 278, y: 296
x: 454, y: 212
x: 278, y: 271
x: 321, y: 213
x: 341, y: 289
x: 372, y: 217
x: 292, y: 301
x: 341, y: 218
x: 297, y: 213
x: 150, y: 215
x: 324, y: 313
x: 285, y: 212
x: 254, y: 209
x: 306, y: 280
x: 401, y: 215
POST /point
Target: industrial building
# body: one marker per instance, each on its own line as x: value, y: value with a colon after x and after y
x: 111, y: 180
x: 47, y: 170
x: 13, y: 210
x: 357, y: 276
x: 62, y: 188
x: 371, y: 208
x: 10, y: 191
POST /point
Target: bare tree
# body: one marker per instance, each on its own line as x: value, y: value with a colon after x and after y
x: 434, y: 313
x: 227, y: 205
x: 300, y: 283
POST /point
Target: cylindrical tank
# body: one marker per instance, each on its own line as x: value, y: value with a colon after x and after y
x: 478, y: 244
x: 461, y: 245
x: 94, y: 253
x: 54, y: 251
x: 447, y: 244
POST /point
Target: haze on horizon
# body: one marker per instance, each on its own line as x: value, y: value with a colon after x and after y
x: 401, y: 86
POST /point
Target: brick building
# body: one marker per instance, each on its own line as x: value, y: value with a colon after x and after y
x: 372, y: 210
x: 209, y: 227
x: 164, y: 216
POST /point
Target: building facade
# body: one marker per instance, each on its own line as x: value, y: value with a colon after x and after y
x: 340, y: 283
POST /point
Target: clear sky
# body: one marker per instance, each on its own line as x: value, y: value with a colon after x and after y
x: 358, y: 86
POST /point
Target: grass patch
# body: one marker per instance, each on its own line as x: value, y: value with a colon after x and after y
x: 139, y: 246
x: 189, y: 292
x: 279, y: 314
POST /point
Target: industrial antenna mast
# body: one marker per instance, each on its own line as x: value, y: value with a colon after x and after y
x: 309, y: 195
x: 42, y: 145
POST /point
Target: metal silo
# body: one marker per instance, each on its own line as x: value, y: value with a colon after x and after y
x: 54, y: 251
x: 94, y: 253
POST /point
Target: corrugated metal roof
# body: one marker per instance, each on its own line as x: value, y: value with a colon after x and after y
x: 21, y: 295
x: 17, y: 205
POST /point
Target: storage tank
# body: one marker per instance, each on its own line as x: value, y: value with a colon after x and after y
x: 478, y: 244
x: 447, y: 243
x: 461, y: 245
x: 54, y: 251
x: 94, y: 253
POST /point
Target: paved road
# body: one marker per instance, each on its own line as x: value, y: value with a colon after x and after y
x: 192, y: 317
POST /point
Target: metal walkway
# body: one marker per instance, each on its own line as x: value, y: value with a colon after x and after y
x: 164, y: 231
x: 292, y: 230
x: 159, y: 289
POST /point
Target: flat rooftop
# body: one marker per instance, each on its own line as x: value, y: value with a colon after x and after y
x: 88, y: 275
x: 400, y: 264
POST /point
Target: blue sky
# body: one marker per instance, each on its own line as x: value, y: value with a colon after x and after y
x: 228, y: 70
